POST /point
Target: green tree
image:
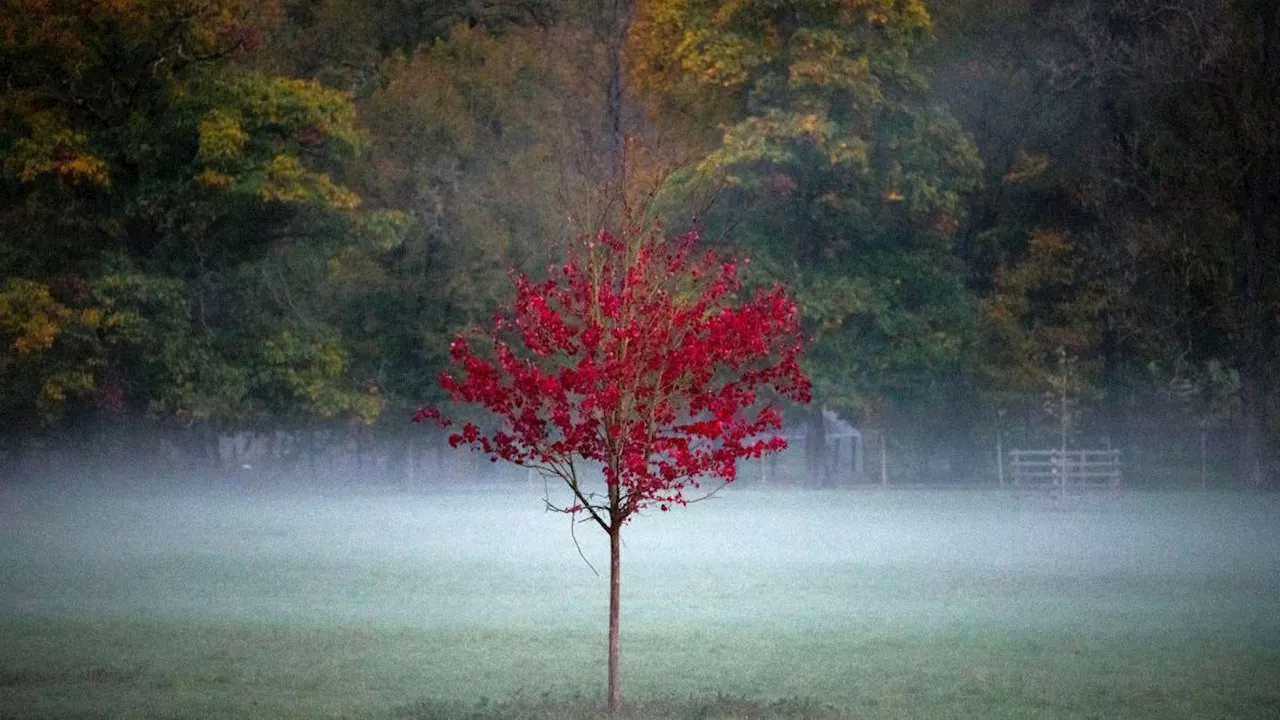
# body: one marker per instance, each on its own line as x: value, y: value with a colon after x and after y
x: 1042, y: 315
x: 345, y: 44
x: 170, y: 188
x: 457, y: 147
x: 837, y: 171
x: 492, y: 145
x: 1187, y: 174
x: 1040, y: 244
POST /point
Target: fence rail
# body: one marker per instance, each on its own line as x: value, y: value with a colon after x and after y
x: 1065, y: 470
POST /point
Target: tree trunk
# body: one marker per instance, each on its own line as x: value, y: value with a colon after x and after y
x: 1257, y: 262
x: 1259, y: 252
x: 1253, y: 454
x: 618, y: 24
x: 613, y: 702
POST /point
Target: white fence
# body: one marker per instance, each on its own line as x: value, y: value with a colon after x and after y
x: 1065, y: 471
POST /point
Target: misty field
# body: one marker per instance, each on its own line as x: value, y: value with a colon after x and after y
x: 474, y: 603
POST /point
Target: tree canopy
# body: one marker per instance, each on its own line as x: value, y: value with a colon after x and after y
x: 222, y: 216
x: 634, y: 355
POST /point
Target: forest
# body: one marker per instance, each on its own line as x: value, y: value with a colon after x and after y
x: 1014, y: 221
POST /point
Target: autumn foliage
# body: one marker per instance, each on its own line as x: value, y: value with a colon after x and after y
x: 635, y: 355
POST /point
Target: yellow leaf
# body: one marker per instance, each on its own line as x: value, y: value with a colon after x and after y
x: 215, y: 180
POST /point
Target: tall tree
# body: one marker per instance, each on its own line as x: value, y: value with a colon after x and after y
x: 837, y: 171
x: 150, y: 182
x: 499, y: 147
x: 1042, y: 313
x: 1186, y: 92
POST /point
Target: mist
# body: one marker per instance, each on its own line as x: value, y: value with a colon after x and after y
x: 489, y: 554
x: 385, y: 595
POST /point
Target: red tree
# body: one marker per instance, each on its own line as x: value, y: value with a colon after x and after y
x: 636, y: 355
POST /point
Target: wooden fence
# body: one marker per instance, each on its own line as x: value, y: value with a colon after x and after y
x: 1064, y: 471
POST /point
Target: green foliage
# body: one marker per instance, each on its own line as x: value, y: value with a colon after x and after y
x: 471, y: 143
x: 175, y: 371
x: 231, y: 212
x: 254, y: 138
x: 49, y: 351
x: 344, y: 44
x: 838, y: 173
x: 1130, y: 128
x: 179, y: 186
x: 755, y: 53
x: 1040, y: 308
x: 307, y: 373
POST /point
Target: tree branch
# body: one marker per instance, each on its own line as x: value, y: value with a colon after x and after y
x: 572, y: 481
x: 573, y: 522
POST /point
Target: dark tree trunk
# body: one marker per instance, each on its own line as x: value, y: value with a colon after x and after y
x: 613, y: 702
x: 1257, y: 261
x: 1252, y: 454
x: 1259, y: 255
x: 615, y: 24
x: 619, y: 23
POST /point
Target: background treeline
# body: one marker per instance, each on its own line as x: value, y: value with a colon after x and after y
x: 267, y: 218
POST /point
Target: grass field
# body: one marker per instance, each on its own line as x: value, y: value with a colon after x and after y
x: 842, y: 604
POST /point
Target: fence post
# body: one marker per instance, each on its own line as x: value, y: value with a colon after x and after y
x: 884, y: 459
x: 1000, y: 455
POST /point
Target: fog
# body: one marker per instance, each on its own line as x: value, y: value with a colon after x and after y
x: 490, y: 557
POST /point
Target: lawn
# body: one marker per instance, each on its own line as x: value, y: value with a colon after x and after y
x: 474, y: 603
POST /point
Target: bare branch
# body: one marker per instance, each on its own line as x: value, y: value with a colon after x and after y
x: 708, y: 496
x: 574, y: 535
x: 571, y: 479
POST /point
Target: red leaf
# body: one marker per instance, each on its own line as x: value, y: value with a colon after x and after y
x: 634, y: 354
